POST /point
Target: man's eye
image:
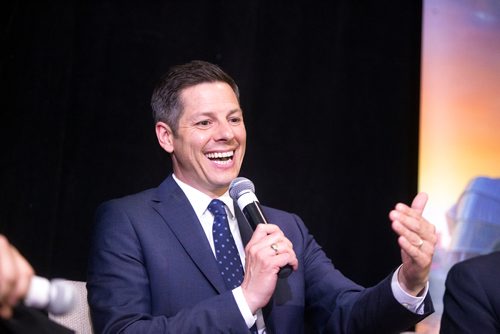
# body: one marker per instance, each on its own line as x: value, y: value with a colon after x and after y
x: 235, y: 120
x: 204, y: 123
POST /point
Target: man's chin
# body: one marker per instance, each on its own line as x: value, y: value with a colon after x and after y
x: 224, y: 182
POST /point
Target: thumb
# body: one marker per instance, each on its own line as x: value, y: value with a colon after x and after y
x: 419, y: 202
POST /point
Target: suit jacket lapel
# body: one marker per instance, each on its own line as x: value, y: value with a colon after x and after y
x: 175, y: 209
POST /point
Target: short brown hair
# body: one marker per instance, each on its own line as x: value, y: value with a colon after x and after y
x: 166, y: 102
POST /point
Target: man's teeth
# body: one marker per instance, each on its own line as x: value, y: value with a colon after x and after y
x: 219, y: 155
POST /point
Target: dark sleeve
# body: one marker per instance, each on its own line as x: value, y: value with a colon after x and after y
x: 28, y: 321
x: 336, y: 304
x: 467, y: 301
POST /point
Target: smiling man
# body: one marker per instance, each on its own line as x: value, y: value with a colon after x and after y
x: 171, y: 259
x: 207, y: 144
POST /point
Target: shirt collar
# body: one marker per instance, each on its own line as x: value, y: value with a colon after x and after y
x: 200, y: 201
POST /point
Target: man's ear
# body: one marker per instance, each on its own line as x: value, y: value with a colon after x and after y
x: 165, y: 136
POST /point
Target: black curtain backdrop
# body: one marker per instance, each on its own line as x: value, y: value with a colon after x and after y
x: 330, y: 92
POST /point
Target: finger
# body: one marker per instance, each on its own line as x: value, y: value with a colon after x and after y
x: 413, y: 251
x: 262, y: 230
x: 5, y: 311
x: 281, y: 246
x: 285, y: 256
x: 417, y: 206
x: 265, y: 235
x: 270, y: 237
x: 8, y: 270
x: 411, y: 222
x: 25, y: 274
x: 417, y: 224
x: 278, y: 237
x: 419, y: 202
x: 275, y: 248
x: 403, y: 231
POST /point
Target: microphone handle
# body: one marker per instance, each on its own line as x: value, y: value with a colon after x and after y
x: 255, y: 216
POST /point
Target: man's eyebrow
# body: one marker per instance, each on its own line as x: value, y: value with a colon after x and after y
x: 235, y: 111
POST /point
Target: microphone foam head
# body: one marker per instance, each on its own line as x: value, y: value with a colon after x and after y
x: 62, y: 297
x: 239, y: 186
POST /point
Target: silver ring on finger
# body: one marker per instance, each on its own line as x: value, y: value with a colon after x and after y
x: 274, y: 247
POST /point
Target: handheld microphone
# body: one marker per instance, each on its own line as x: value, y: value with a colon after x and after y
x: 242, y: 191
x: 56, y: 296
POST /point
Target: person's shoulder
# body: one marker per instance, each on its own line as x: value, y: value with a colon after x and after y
x: 282, y: 218
x: 274, y: 211
x: 493, y: 257
x: 130, y: 201
x: 490, y: 261
x: 143, y: 200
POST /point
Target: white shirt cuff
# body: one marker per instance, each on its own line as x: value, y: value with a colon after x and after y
x: 412, y: 303
x: 243, y: 306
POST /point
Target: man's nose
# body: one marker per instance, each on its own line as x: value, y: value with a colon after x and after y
x: 224, y: 131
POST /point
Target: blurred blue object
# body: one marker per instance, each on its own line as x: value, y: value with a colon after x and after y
x: 474, y: 222
x: 474, y: 227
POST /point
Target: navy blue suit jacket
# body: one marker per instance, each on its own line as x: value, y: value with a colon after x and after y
x: 151, y: 270
x: 472, y: 296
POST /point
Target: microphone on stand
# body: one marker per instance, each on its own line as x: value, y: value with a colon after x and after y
x: 56, y: 296
x: 242, y: 190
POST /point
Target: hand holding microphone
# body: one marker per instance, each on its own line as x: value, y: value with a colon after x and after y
x: 242, y: 190
x: 56, y: 296
x: 17, y: 282
x: 15, y: 277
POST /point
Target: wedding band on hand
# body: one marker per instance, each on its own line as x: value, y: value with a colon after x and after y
x: 275, y: 249
x: 419, y: 244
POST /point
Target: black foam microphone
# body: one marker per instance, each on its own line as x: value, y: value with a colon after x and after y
x: 56, y: 296
x: 242, y: 191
